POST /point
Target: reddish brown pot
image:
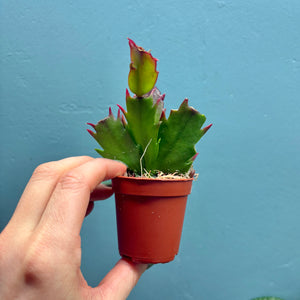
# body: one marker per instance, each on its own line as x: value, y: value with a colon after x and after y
x: 150, y: 214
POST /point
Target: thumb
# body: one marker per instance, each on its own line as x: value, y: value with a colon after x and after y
x: 120, y: 281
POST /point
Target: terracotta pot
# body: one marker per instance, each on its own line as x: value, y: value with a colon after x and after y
x: 150, y: 214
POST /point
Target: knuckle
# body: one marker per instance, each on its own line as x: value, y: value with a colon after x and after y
x: 38, y: 260
x: 35, y: 268
x: 73, y: 181
x: 45, y: 170
x: 45, y: 252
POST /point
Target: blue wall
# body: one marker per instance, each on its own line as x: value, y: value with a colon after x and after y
x: 63, y: 63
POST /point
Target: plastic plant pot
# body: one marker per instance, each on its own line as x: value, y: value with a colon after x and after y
x: 150, y: 214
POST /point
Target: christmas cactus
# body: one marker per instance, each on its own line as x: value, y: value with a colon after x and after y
x: 142, y: 136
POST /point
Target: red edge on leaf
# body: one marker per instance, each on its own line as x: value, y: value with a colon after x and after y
x: 205, y: 129
x: 127, y: 94
x: 123, y: 120
x: 91, y: 124
x: 139, y: 49
x: 91, y: 132
x: 163, y: 115
x: 194, y: 157
x: 132, y: 44
x: 161, y: 98
x: 122, y: 109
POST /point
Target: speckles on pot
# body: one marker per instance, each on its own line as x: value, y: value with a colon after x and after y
x: 158, y: 216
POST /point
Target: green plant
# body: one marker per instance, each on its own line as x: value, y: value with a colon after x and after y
x: 143, y: 137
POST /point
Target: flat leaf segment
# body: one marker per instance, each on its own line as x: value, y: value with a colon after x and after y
x: 178, y: 135
x: 143, y: 126
x: 116, y: 142
x: 143, y: 74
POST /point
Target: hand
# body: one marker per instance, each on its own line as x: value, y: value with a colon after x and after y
x: 40, y: 248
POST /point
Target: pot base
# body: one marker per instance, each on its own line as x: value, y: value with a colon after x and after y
x: 140, y: 260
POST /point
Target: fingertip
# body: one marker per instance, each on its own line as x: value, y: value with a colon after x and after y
x: 122, y: 166
x: 122, y: 279
x: 114, y: 168
x: 137, y: 267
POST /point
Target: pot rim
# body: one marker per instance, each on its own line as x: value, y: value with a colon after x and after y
x: 152, y: 186
x: 154, y: 179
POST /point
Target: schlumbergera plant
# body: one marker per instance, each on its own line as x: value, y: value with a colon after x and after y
x: 143, y: 137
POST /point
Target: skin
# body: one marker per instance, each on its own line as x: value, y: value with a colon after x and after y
x: 40, y: 248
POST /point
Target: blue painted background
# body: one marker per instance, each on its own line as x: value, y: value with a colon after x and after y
x: 63, y: 63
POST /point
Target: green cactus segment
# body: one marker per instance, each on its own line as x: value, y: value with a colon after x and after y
x: 116, y: 142
x: 143, y: 125
x: 178, y: 135
x: 143, y: 74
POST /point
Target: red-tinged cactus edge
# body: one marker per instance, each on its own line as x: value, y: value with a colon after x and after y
x: 143, y: 74
x: 142, y: 136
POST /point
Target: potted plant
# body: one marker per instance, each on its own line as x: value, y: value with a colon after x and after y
x: 159, y: 152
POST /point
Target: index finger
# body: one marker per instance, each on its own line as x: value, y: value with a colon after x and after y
x: 68, y: 203
x: 39, y: 189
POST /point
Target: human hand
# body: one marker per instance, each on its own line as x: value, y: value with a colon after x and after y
x: 40, y: 248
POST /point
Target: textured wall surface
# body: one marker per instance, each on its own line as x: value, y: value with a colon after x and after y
x: 63, y: 63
